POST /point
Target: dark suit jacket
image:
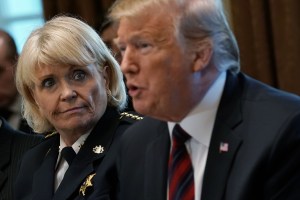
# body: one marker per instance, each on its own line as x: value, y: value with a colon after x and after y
x: 36, y: 178
x: 13, y: 145
x: 262, y: 128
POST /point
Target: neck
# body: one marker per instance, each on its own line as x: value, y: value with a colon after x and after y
x: 71, y: 136
x: 202, y: 83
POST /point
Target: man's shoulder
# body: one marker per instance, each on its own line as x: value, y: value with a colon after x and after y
x: 27, y: 141
x: 264, y: 102
x: 146, y: 129
x: 45, y: 141
x: 147, y: 121
x: 20, y: 138
x: 257, y: 91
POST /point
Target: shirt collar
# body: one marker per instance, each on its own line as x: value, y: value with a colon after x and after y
x: 77, y: 145
x: 200, y: 121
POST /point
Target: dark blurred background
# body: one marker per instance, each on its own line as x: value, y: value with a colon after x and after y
x: 268, y: 33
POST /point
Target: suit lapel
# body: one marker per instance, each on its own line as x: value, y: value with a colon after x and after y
x: 156, y: 167
x: 43, y: 181
x: 89, y: 157
x: 220, y: 160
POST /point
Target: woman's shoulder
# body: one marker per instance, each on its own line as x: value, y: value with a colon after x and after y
x: 127, y: 119
x: 130, y: 116
x: 51, y: 134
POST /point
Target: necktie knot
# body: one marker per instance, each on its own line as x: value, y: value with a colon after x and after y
x: 68, y: 154
x: 179, y: 136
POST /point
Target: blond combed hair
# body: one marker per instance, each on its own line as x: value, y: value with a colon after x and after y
x: 67, y: 41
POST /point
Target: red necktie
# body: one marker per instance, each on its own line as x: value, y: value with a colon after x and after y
x: 181, y: 175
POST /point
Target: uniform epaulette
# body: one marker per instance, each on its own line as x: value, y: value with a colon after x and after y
x: 51, y: 134
x: 131, y: 116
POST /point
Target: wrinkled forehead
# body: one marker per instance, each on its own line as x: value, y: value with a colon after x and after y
x: 146, y: 24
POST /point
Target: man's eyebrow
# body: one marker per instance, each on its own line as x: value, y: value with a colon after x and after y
x: 134, y: 37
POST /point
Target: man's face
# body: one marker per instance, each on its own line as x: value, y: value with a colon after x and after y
x: 157, y: 69
x: 108, y: 36
x: 8, y: 90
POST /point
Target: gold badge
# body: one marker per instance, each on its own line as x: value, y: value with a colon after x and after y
x: 87, y: 183
x: 98, y: 149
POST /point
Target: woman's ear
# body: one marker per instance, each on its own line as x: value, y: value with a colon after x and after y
x: 105, y: 74
x: 202, y: 55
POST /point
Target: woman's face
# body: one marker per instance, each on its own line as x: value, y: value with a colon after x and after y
x: 72, y: 98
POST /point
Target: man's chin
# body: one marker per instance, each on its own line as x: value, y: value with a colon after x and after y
x: 142, y: 109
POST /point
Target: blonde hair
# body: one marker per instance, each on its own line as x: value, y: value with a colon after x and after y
x: 67, y: 41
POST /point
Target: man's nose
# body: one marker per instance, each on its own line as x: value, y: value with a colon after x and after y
x: 129, y: 62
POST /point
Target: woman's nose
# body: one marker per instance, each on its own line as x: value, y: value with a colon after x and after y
x: 67, y: 92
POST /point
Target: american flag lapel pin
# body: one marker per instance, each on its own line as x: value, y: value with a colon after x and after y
x: 223, y: 147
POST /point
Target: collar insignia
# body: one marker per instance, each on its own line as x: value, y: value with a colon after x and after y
x: 98, y: 149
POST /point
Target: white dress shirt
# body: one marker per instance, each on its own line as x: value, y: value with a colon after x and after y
x: 61, y: 164
x: 199, y: 124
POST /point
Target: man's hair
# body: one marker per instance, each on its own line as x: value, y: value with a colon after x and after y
x: 11, y: 48
x: 194, y: 21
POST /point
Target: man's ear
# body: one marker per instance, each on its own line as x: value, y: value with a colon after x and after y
x: 202, y: 55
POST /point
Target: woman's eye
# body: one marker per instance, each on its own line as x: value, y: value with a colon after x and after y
x: 79, y: 75
x: 47, y: 83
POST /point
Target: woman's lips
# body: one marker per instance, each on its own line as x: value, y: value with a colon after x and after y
x: 74, y: 110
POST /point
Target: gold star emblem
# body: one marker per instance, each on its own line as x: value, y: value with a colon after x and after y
x: 98, y: 149
x: 87, y: 183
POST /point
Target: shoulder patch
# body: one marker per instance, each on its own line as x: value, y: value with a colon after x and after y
x: 131, y: 116
x: 51, y: 134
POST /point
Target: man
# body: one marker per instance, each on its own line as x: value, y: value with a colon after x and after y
x: 181, y: 62
x: 108, y: 33
x: 10, y: 101
x: 13, y: 144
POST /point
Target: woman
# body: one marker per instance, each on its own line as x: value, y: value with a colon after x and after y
x: 72, y: 88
